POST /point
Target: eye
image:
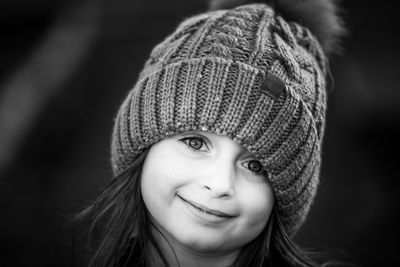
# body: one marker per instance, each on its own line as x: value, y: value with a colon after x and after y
x: 254, y: 166
x: 195, y: 143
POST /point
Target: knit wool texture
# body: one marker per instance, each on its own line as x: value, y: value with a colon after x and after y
x: 214, y: 74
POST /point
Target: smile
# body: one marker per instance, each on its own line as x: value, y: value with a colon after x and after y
x: 206, y: 210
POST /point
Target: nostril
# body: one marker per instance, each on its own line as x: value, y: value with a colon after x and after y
x: 224, y: 195
x: 219, y: 180
x: 218, y: 191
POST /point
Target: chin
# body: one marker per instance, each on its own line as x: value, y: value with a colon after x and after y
x: 202, y: 243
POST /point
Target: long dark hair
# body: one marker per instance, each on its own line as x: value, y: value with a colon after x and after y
x: 115, y: 231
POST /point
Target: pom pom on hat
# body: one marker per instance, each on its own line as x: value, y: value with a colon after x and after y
x: 319, y: 16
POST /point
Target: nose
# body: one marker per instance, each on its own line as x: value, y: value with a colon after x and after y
x: 220, y: 179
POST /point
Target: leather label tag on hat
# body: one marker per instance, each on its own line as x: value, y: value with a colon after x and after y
x: 272, y: 86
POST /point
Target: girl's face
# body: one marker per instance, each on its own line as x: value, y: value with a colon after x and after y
x: 205, y: 192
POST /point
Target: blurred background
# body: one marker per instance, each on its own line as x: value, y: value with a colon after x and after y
x: 66, y: 67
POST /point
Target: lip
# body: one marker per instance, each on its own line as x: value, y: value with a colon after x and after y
x: 205, y: 209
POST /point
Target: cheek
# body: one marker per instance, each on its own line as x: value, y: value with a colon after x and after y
x: 162, y: 176
x: 155, y: 180
x: 257, y: 202
x: 157, y: 186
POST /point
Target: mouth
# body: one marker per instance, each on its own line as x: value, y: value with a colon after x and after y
x: 203, y: 209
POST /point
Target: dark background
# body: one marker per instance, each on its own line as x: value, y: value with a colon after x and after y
x: 66, y: 67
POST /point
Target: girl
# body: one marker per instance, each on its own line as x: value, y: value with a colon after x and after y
x: 216, y: 149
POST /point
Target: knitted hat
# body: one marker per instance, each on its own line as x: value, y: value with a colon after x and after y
x: 246, y: 73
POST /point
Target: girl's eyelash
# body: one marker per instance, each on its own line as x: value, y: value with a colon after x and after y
x: 195, y: 146
x: 259, y: 172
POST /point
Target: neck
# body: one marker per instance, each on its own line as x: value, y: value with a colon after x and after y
x: 178, y: 255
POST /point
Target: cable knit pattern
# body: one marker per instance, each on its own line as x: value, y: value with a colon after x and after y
x: 209, y: 75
